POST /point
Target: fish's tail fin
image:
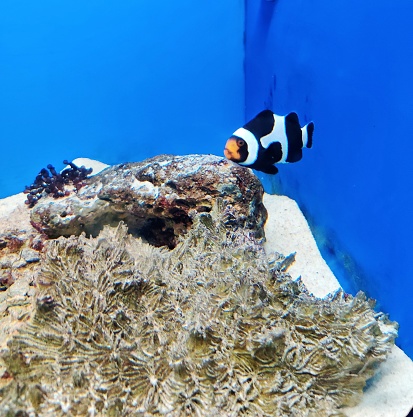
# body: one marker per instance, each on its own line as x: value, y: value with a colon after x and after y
x: 308, y: 135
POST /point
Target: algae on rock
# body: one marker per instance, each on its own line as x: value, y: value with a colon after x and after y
x: 211, y: 327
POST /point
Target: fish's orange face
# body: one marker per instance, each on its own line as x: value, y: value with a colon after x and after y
x: 236, y: 149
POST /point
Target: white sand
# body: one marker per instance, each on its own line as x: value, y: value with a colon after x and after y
x: 390, y: 391
x: 10, y: 204
x: 14, y: 214
x: 287, y: 231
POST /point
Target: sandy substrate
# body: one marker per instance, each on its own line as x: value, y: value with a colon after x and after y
x: 390, y: 391
x: 287, y: 231
x: 14, y: 213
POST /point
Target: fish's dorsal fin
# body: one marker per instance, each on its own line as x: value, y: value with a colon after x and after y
x: 262, y: 124
x: 292, y: 118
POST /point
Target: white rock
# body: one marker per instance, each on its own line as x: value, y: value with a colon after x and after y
x: 90, y: 163
x: 390, y: 391
x: 146, y: 188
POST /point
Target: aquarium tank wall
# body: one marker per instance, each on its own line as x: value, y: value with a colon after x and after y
x: 123, y: 81
x: 116, y: 81
x: 347, y: 65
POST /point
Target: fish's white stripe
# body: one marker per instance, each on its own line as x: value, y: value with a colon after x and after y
x: 252, y: 145
x: 277, y: 135
x: 304, y: 136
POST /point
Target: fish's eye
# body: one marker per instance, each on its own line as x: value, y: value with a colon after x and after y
x: 240, y: 142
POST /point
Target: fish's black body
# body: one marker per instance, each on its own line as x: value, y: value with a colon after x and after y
x: 269, y: 139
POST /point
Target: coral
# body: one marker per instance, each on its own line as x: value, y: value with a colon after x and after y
x: 54, y: 183
x: 211, y: 327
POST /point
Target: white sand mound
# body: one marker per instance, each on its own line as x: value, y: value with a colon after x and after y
x: 287, y: 231
x: 390, y: 391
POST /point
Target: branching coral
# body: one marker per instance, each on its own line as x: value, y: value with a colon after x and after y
x: 122, y: 328
x: 54, y: 183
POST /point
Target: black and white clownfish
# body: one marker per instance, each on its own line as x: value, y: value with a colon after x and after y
x: 269, y: 139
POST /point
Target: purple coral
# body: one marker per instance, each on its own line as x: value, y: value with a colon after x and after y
x: 54, y: 183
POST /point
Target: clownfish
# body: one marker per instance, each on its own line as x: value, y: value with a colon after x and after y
x: 269, y: 139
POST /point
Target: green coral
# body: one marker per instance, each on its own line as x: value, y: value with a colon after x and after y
x: 212, y: 327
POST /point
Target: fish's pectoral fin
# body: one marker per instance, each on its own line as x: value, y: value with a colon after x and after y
x: 270, y: 169
x: 274, y: 153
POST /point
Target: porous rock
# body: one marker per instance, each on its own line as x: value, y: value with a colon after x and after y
x: 157, y: 198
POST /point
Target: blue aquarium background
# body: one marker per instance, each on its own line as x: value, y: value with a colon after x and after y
x: 123, y: 81
x: 116, y: 81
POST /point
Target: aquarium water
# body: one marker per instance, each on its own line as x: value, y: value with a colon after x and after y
x: 123, y: 81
